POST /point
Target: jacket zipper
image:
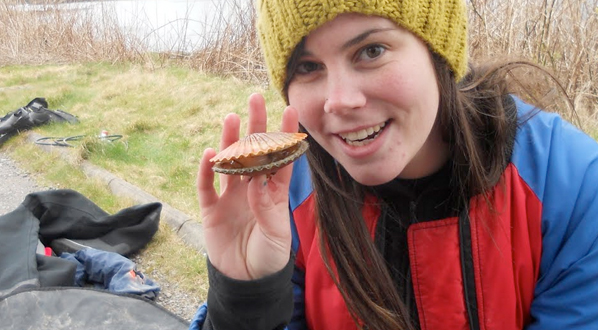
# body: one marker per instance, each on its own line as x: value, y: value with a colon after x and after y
x: 467, y: 271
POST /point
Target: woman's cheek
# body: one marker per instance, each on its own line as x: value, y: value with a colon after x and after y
x: 308, y: 116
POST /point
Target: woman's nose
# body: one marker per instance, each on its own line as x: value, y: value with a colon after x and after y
x: 343, y: 93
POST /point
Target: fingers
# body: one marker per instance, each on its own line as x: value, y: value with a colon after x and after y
x: 230, y: 130
x: 257, y: 114
x: 290, y: 123
x: 290, y: 120
x: 230, y: 135
x: 205, y: 180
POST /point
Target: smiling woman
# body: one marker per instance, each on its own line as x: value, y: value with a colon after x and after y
x: 368, y: 74
x: 422, y: 172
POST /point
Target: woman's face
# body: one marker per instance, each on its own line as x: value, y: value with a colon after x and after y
x: 366, y: 91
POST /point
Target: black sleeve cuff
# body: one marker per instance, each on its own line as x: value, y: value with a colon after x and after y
x: 266, y: 303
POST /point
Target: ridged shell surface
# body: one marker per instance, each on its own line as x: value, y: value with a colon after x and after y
x: 259, y: 144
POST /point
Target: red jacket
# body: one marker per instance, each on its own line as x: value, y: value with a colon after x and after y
x: 505, y: 252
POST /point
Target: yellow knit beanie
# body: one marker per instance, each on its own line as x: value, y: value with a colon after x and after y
x: 281, y: 25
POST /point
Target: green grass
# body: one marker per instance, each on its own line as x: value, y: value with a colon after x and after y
x: 166, y: 117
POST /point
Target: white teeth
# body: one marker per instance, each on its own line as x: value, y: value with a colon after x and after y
x: 357, y: 138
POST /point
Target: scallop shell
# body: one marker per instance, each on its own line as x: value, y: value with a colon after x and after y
x: 260, y: 153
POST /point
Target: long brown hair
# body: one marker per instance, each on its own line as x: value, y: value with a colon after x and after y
x: 477, y: 125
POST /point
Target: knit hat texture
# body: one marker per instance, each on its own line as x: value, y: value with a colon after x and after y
x: 281, y: 25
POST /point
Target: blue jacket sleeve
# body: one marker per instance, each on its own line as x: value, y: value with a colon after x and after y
x: 560, y: 163
x: 199, y: 318
x: 298, y: 319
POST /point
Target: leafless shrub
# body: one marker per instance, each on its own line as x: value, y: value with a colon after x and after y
x: 561, y: 35
x: 231, y: 45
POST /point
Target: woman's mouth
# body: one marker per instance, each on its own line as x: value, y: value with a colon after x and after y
x: 364, y: 136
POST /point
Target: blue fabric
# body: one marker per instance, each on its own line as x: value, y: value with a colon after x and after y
x: 560, y: 164
x: 298, y: 321
x: 199, y: 318
x: 111, y: 271
x: 299, y: 190
x: 301, y: 185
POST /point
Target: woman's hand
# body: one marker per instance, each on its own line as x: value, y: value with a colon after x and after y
x: 246, y: 228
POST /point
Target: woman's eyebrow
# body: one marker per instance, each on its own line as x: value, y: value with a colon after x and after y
x: 361, y: 37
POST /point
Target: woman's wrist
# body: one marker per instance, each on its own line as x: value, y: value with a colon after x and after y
x: 233, y: 302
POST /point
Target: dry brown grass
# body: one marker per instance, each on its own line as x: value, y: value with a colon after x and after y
x: 233, y: 48
x: 47, y: 34
x: 561, y: 35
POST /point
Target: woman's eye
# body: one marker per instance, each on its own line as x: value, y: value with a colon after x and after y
x: 306, y: 67
x: 371, y: 52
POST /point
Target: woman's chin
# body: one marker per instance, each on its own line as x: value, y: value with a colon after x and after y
x: 372, y: 178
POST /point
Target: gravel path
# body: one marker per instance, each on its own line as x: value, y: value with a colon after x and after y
x: 16, y: 184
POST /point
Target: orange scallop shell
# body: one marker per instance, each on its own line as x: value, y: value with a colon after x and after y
x: 256, y: 146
